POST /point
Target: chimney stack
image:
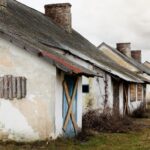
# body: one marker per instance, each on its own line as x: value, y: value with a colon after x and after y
x: 60, y: 14
x: 3, y: 4
x: 136, y: 55
x: 124, y: 48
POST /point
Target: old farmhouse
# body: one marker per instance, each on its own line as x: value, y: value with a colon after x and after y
x: 50, y: 75
x: 130, y: 60
x: 147, y: 64
x: 123, y: 89
x: 40, y: 88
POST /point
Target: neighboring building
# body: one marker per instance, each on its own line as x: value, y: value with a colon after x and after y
x: 112, y: 92
x: 42, y: 63
x: 130, y: 60
x: 147, y: 64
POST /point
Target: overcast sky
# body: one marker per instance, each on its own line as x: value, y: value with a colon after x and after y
x: 109, y: 21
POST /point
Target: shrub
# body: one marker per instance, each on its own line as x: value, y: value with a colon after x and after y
x: 106, y: 122
x: 140, y: 112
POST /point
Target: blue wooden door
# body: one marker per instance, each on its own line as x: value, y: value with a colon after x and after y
x: 70, y: 131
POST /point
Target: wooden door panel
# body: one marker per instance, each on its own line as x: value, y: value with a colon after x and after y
x: 70, y: 112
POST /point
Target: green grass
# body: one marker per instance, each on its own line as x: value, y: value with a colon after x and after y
x: 130, y: 141
x: 105, y: 141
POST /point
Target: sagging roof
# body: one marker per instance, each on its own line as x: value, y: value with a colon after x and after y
x: 21, y: 24
x: 131, y: 61
x: 133, y: 75
x: 147, y: 64
x: 35, y: 32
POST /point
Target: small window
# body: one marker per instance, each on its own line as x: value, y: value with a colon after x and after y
x: 12, y: 87
x: 140, y: 92
x: 85, y: 88
x: 133, y: 92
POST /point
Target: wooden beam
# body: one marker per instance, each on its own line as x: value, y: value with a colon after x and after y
x: 1, y: 87
x: 14, y: 87
x: 10, y: 92
x: 23, y: 87
x: 6, y: 87
x: 126, y: 106
x: 18, y: 87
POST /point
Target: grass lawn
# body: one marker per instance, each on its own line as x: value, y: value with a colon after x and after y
x: 131, y: 141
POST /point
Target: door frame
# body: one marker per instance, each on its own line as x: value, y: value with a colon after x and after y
x: 126, y: 110
x: 69, y: 107
x: 116, y: 99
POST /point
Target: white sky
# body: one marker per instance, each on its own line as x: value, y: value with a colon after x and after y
x: 109, y: 21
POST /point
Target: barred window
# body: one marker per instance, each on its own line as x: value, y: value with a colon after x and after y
x: 12, y: 87
x: 132, y: 92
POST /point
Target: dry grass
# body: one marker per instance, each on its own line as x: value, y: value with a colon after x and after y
x: 141, y: 112
x: 107, y: 122
x: 134, y: 140
x: 110, y: 141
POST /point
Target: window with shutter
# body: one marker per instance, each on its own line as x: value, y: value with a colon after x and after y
x: 12, y: 87
x: 140, y: 92
x: 132, y: 92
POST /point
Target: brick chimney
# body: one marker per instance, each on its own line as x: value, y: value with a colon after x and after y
x: 124, y: 48
x: 136, y: 55
x: 3, y: 4
x: 60, y: 14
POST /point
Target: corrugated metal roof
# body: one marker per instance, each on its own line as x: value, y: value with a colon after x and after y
x: 68, y: 66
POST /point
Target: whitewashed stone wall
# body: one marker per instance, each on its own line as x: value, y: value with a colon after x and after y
x: 148, y: 93
x: 31, y: 118
x: 96, y: 96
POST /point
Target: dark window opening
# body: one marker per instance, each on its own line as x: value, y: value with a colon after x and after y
x: 85, y: 88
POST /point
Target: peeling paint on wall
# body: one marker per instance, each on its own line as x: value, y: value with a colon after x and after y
x: 13, y: 125
x: 37, y: 116
x: 31, y: 118
x: 148, y: 93
x: 95, y: 99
